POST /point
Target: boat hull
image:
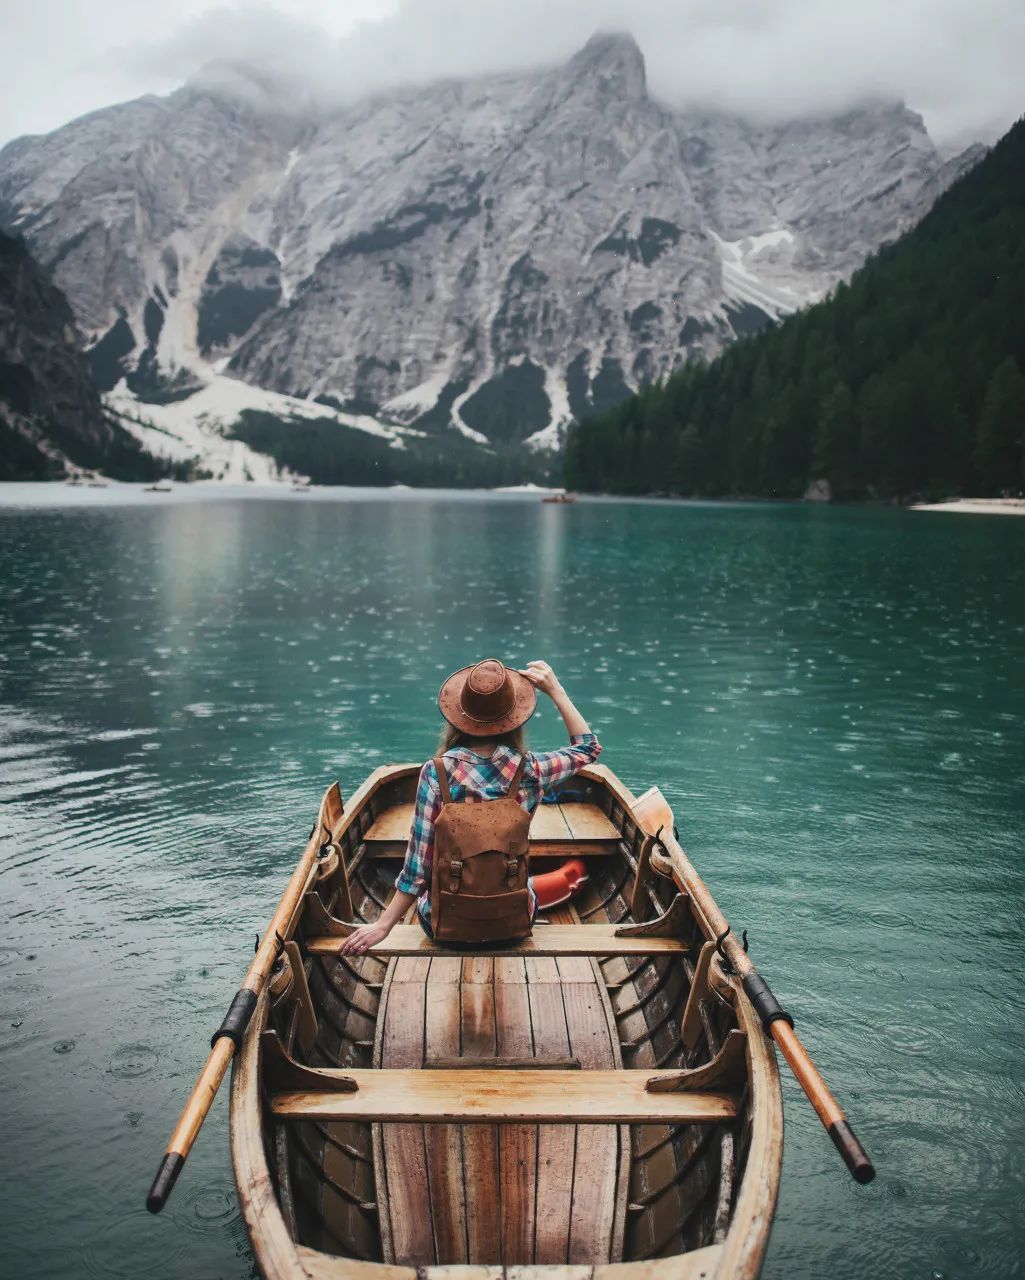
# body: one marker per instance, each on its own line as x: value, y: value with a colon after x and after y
x: 666, y: 1156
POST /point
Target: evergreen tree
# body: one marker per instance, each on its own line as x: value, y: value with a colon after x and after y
x: 907, y: 380
x: 688, y: 474
x: 1000, y: 451
x: 835, y: 453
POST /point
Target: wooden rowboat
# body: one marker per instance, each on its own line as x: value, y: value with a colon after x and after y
x: 599, y: 1096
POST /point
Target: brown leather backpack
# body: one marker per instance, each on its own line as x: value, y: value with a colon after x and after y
x: 479, y: 882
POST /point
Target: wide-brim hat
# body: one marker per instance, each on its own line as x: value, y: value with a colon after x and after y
x: 488, y: 698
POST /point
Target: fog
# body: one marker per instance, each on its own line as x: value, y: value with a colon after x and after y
x: 958, y: 64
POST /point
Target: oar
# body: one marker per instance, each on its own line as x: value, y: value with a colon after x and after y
x: 228, y: 1036
x: 655, y: 818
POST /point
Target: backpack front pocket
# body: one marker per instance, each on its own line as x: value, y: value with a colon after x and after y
x: 473, y: 917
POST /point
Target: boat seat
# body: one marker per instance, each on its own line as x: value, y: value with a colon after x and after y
x: 556, y: 830
x: 546, y: 940
x: 496, y: 1096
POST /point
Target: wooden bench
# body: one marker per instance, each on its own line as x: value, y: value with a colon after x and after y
x: 546, y: 940
x: 495, y: 1096
x: 557, y: 830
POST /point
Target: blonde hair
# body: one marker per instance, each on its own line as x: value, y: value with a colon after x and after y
x: 453, y: 737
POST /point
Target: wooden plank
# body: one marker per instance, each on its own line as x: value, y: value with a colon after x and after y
x: 395, y: 823
x: 476, y: 969
x: 541, y: 969
x: 343, y: 1221
x: 575, y: 968
x: 479, y: 1095
x: 595, y: 1174
x: 512, y: 1018
x: 517, y: 1143
x: 412, y: 968
x: 326, y: 1266
x: 443, y: 1142
x: 555, y: 1142
x: 445, y: 971
x: 510, y: 969
x: 347, y: 1222
x: 409, y: 940
x: 480, y: 1142
x: 698, y: 1264
x: 271, y: 1240
x: 405, y: 1155
x: 383, y: 850
x: 588, y: 822
x: 549, y: 824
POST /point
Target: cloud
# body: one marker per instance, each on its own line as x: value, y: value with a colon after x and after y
x: 958, y: 64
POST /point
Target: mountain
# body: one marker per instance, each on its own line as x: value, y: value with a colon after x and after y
x: 496, y: 256
x: 51, y: 413
x: 911, y: 379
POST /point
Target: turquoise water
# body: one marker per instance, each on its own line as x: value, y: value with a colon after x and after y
x: 832, y: 699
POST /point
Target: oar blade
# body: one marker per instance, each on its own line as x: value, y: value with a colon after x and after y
x: 652, y: 812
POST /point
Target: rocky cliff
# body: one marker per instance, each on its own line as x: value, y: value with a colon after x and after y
x: 496, y: 255
x: 50, y: 409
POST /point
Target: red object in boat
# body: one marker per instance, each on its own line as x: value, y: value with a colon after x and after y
x: 554, y: 887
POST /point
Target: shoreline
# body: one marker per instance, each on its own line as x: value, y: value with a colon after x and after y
x: 975, y: 506
x: 149, y: 494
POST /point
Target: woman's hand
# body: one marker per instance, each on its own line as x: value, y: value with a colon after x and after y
x: 542, y: 677
x: 363, y: 938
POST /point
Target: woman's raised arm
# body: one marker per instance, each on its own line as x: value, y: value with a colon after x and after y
x: 542, y: 677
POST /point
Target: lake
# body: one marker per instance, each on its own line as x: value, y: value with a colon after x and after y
x: 833, y: 700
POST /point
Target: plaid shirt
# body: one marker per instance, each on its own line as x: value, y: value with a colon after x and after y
x: 473, y: 777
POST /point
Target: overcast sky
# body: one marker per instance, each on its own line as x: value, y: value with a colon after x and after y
x: 959, y: 62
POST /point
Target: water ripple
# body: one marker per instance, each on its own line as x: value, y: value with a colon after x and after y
x: 843, y: 753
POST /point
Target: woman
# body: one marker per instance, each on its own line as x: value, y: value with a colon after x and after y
x: 486, y: 707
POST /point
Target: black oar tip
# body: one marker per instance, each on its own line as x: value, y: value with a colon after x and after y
x: 855, y: 1156
x: 167, y: 1175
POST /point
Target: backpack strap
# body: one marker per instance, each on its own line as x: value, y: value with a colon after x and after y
x: 514, y: 786
x: 446, y: 794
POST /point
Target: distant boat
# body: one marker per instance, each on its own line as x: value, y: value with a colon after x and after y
x: 161, y: 486
x: 300, y: 486
x: 560, y: 498
x: 98, y: 482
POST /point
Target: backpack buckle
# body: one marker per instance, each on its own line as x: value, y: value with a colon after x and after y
x: 456, y: 871
x: 512, y: 866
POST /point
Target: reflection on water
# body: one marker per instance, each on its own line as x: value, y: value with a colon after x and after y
x: 831, y: 699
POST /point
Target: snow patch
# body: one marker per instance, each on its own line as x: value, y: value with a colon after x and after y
x: 194, y: 429
x: 417, y: 400
x: 526, y: 488
x: 757, y: 269
x: 550, y: 437
x: 469, y: 432
x: 457, y: 420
